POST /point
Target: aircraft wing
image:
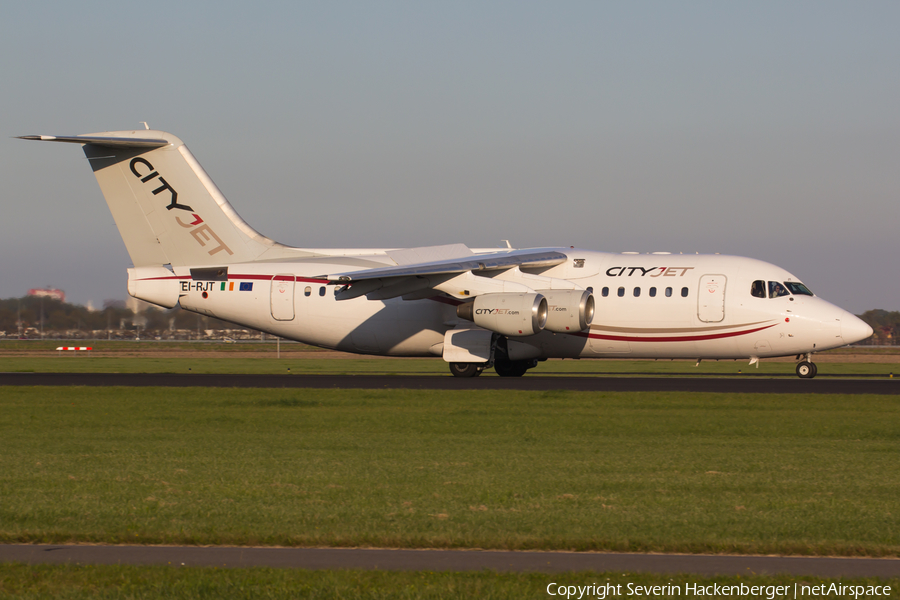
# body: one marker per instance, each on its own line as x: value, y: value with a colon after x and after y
x: 478, y: 262
x: 418, y: 278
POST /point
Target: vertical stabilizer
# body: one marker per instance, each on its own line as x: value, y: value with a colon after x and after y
x: 166, y: 207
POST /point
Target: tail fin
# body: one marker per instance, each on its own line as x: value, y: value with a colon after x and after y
x: 166, y: 207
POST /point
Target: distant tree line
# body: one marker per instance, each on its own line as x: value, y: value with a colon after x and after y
x: 886, y: 325
x: 30, y: 315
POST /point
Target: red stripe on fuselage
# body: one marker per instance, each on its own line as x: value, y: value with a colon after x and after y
x: 686, y: 338
x: 248, y: 277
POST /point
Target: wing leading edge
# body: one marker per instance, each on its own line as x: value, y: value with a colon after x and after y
x: 478, y: 263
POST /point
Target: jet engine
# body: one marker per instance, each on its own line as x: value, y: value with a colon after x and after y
x: 568, y: 310
x: 509, y: 314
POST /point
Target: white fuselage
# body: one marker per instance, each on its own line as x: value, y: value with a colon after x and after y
x: 647, y: 305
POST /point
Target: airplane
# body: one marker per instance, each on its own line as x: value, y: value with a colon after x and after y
x: 476, y: 308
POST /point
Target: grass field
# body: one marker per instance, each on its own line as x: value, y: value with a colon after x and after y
x: 77, y: 582
x: 566, y: 470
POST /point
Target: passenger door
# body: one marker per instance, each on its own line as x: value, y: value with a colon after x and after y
x: 282, y: 297
x: 711, y: 299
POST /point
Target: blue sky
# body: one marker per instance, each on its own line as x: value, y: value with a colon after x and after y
x: 769, y: 130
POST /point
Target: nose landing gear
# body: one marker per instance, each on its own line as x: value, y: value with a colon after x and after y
x: 806, y: 369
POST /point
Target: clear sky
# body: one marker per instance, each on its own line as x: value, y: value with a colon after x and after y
x: 763, y: 129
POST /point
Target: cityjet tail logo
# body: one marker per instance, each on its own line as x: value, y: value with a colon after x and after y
x: 645, y: 272
x: 203, y: 233
x: 495, y: 311
x: 199, y: 230
x: 152, y: 174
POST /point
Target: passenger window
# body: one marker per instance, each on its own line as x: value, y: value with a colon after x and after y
x: 798, y: 289
x: 684, y: 292
x: 590, y: 290
x: 653, y: 292
x: 668, y: 292
x: 776, y: 290
x: 637, y: 292
x: 758, y: 289
x: 604, y: 292
x: 322, y: 291
x: 621, y: 292
x: 336, y: 290
x: 307, y: 291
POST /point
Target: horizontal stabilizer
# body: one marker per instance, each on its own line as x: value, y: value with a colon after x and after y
x: 112, y: 142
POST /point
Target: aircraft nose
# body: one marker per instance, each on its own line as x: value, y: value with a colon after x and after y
x: 854, y: 329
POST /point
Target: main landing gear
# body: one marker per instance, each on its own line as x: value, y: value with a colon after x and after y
x: 501, y: 363
x: 806, y: 369
x: 467, y: 369
x: 513, y: 368
x: 504, y: 368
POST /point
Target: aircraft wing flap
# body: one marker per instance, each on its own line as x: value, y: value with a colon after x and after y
x: 477, y: 263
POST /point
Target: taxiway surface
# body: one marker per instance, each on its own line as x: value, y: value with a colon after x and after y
x: 449, y: 560
x: 729, y: 385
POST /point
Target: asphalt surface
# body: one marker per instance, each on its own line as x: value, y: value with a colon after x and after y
x: 448, y: 560
x: 754, y: 385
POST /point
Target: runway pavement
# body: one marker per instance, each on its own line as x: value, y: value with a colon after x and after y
x: 449, y: 560
x: 731, y: 385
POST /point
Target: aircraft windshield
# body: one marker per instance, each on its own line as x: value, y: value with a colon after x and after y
x: 776, y: 290
x: 758, y: 289
x: 798, y: 289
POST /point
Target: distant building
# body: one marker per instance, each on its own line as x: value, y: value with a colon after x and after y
x: 58, y: 294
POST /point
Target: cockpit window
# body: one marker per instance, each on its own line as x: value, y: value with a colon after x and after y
x: 798, y: 289
x: 776, y: 290
x: 758, y: 289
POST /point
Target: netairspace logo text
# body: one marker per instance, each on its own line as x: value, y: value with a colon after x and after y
x: 770, y: 592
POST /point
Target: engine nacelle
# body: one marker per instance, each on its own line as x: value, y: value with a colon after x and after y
x: 509, y: 314
x: 568, y: 310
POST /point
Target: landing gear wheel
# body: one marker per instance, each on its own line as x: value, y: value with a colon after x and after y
x: 806, y: 370
x: 511, y: 368
x: 466, y: 369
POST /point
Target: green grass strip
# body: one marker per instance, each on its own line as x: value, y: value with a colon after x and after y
x: 681, y: 472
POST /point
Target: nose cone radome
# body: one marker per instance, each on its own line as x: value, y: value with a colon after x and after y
x: 854, y: 329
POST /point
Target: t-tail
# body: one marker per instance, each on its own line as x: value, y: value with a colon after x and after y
x: 167, y: 209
